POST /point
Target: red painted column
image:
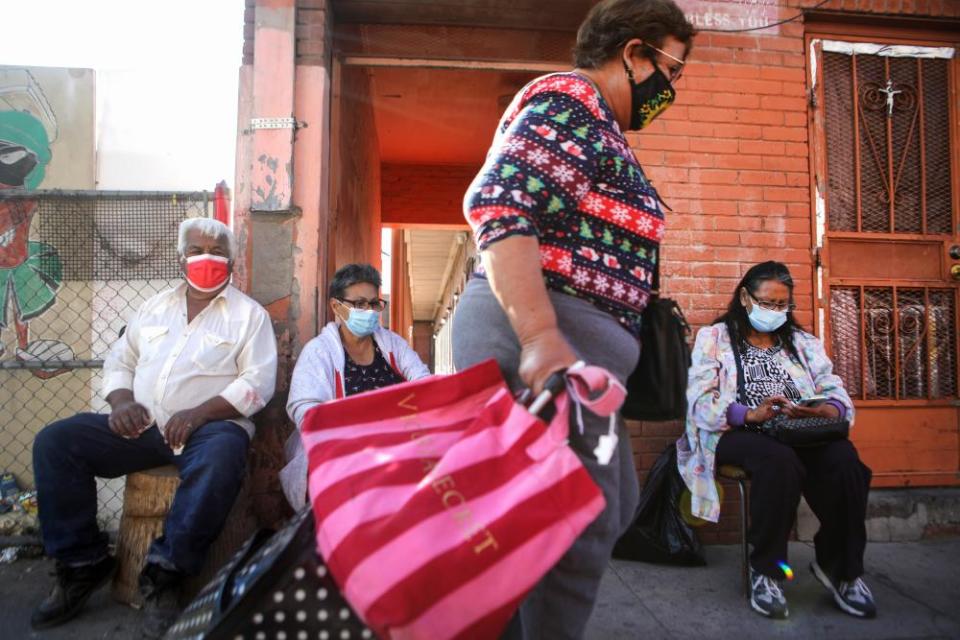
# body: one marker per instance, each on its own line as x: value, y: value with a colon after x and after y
x: 273, y: 103
x: 281, y: 223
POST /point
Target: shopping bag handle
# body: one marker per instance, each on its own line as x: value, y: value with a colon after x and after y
x: 599, y: 391
x: 587, y: 386
x: 552, y: 388
x: 582, y: 381
x: 585, y: 381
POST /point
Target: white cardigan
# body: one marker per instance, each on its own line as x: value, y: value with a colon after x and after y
x: 318, y: 378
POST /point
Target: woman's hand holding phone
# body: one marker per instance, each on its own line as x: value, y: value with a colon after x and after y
x: 769, y: 408
x: 812, y: 407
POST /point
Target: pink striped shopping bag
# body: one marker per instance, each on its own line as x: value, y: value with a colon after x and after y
x: 440, y: 503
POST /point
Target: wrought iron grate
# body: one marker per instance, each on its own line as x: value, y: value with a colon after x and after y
x: 941, y: 331
x: 912, y: 344
x: 895, y: 342
x: 838, y: 121
x: 937, y: 158
x: 845, y: 330
x: 888, y: 155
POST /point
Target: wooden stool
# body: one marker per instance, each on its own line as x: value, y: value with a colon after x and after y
x: 738, y: 475
x: 146, y: 500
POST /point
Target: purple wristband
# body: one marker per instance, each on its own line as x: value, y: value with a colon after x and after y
x: 839, y: 405
x: 737, y: 414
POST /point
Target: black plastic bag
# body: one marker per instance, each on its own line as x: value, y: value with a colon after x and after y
x: 658, y: 532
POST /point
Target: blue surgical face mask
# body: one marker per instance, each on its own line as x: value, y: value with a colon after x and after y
x: 362, y: 323
x: 766, y: 320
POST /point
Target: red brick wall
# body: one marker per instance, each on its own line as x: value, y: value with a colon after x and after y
x: 248, y: 22
x: 731, y: 159
x: 424, y: 194
x: 932, y: 8
x: 311, y: 33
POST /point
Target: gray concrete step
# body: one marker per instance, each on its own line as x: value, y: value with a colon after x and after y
x: 900, y: 515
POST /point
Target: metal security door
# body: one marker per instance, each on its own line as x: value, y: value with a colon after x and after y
x: 889, y: 248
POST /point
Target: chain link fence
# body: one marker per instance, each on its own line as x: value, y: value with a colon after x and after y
x: 74, y: 265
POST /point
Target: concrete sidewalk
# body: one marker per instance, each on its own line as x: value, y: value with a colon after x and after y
x: 916, y: 585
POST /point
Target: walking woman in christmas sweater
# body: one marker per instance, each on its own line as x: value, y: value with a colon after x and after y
x: 568, y: 229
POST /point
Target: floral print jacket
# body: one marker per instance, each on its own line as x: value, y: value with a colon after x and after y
x: 712, y: 387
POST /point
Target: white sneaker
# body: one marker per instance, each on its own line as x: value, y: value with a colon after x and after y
x: 853, y: 596
x: 766, y: 596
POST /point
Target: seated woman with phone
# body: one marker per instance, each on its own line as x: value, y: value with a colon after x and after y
x: 785, y: 372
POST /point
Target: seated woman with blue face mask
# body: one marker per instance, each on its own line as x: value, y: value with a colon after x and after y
x: 782, y: 366
x: 352, y: 354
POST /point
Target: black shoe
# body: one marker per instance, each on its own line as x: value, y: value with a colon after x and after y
x: 766, y: 596
x: 161, y: 594
x: 74, y: 585
x: 850, y: 596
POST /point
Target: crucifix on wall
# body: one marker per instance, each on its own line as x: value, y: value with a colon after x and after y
x: 878, y: 105
x: 891, y: 93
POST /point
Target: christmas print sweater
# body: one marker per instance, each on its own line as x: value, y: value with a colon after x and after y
x: 561, y: 170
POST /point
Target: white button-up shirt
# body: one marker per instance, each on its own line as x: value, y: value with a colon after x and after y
x: 228, y: 350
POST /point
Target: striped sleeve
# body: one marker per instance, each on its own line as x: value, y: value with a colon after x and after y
x: 540, y: 165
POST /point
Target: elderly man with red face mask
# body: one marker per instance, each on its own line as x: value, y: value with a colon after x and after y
x: 193, y: 365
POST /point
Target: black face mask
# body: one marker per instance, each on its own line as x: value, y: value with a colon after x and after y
x: 649, y: 98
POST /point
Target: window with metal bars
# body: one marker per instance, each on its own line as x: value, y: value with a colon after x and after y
x: 894, y: 342
x: 888, y: 143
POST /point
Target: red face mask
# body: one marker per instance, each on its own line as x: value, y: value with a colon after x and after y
x: 207, y: 272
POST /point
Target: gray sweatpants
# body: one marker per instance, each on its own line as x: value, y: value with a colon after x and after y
x: 560, y: 604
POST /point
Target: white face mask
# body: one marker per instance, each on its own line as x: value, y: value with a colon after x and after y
x: 362, y: 322
x: 766, y: 320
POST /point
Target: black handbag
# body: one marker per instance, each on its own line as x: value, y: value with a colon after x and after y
x: 657, y: 388
x: 805, y: 432
x: 793, y: 432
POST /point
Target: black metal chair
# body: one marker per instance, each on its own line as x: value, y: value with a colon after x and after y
x: 738, y: 475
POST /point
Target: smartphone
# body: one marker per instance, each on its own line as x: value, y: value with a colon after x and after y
x: 812, y: 401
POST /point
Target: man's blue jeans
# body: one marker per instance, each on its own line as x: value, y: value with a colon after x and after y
x: 69, y: 454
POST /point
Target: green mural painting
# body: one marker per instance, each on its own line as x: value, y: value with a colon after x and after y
x: 30, y: 272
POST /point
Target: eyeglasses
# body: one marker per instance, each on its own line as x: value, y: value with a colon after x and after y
x: 773, y: 306
x: 675, y: 71
x: 377, y: 304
